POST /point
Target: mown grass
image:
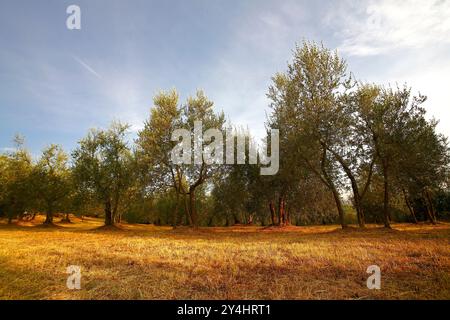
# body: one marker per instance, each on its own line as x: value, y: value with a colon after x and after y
x: 148, y: 262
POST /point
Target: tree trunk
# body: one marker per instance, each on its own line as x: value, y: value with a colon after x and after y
x: 108, y: 213
x: 66, y: 218
x: 330, y: 184
x: 411, y: 211
x: 280, y: 211
x: 429, y: 207
x: 410, y: 208
x: 386, y: 211
x: 430, y: 202
x: 192, y: 208
x: 187, y: 211
x: 337, y: 200
x: 287, y: 216
x: 236, y: 218
x: 358, y: 201
x: 49, y: 217
x: 361, y: 217
x: 358, y: 205
x: 272, y: 212
x: 429, y: 215
x: 116, y: 218
x: 357, y: 197
x: 175, y: 211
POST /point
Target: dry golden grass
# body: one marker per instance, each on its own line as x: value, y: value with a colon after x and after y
x: 147, y: 262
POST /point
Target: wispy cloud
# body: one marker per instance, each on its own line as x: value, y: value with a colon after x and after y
x: 87, y: 67
x: 410, y: 39
x: 381, y: 26
x: 240, y: 46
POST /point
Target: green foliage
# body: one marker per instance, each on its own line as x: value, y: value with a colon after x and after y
x: 154, y: 147
x: 103, y: 167
x: 336, y: 136
x: 411, y: 157
x: 51, y: 180
x: 15, y: 191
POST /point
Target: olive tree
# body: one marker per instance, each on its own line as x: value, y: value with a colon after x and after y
x: 51, y: 180
x: 103, y: 166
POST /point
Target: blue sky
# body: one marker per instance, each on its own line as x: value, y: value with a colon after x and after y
x: 57, y: 83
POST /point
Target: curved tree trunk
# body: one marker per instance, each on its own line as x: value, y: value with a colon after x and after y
x: 408, y: 204
x: 430, y: 202
x: 358, y: 205
x: 428, y: 211
x: 328, y: 182
x: 337, y: 200
x: 357, y: 196
x: 429, y: 206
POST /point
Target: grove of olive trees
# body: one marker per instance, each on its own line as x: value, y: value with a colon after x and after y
x: 349, y: 153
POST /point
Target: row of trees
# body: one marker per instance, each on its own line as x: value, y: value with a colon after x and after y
x: 345, y: 146
x: 43, y: 185
x: 348, y: 133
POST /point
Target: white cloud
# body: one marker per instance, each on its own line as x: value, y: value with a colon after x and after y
x: 396, y: 42
x: 378, y: 27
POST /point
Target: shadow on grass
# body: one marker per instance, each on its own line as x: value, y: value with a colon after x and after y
x: 290, y: 234
x: 25, y: 283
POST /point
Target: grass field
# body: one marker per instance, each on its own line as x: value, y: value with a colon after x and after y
x: 148, y: 262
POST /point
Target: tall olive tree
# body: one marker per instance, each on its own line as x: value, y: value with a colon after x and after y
x: 154, y: 146
x: 103, y: 166
x: 291, y: 174
x: 205, y: 128
x: 352, y: 148
x: 307, y: 96
x: 156, y: 143
x: 405, y: 143
x: 422, y: 167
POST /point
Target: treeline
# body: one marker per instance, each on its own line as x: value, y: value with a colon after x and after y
x: 349, y: 152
